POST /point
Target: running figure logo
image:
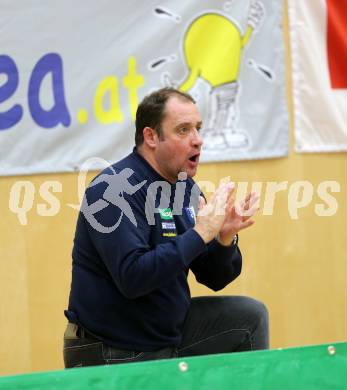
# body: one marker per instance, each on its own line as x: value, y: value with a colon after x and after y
x: 118, y: 184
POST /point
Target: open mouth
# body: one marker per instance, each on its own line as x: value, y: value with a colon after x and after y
x: 194, y: 158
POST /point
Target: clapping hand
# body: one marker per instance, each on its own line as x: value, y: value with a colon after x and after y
x: 238, y: 216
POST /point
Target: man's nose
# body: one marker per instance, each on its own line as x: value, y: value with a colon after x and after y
x: 197, y: 138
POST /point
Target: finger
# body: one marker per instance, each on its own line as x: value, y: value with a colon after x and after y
x: 217, y: 193
x: 249, y: 213
x: 254, y: 195
x: 230, y: 206
x: 244, y: 204
x: 205, y: 208
x: 247, y: 224
x: 251, y: 196
x: 211, y: 203
x: 238, y: 208
x: 248, y: 199
x: 252, y: 205
x: 219, y: 202
x: 202, y: 202
x: 216, y: 204
x: 231, y: 189
x: 221, y: 199
x: 254, y: 198
x: 231, y: 200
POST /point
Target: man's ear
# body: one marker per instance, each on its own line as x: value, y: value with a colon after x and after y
x: 150, y: 137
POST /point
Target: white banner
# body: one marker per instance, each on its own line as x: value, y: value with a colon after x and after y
x: 72, y: 74
x: 319, y: 64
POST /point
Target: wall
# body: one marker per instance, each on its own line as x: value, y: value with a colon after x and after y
x: 297, y: 267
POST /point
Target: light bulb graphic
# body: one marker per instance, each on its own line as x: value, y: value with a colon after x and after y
x: 213, y: 46
x: 212, y: 49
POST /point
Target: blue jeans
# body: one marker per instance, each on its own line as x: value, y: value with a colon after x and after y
x: 214, y: 324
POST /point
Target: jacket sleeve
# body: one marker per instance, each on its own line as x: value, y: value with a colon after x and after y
x: 218, y: 266
x: 136, y: 266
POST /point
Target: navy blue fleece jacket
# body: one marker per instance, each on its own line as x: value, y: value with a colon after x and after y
x: 129, y: 271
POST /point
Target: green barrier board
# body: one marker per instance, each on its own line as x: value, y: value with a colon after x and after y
x: 314, y: 367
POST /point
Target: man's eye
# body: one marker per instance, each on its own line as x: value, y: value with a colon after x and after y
x: 184, y: 130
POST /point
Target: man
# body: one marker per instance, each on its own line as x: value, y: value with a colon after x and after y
x: 137, y: 237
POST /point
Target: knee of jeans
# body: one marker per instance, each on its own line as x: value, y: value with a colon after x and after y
x: 263, y: 314
x: 259, y: 311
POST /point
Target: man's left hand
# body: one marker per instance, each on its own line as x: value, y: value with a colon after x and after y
x: 238, y: 217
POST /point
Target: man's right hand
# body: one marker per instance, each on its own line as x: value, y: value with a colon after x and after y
x: 211, y: 215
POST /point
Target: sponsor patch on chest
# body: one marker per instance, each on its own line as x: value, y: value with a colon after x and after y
x: 169, y: 234
x: 165, y: 214
x: 168, y: 225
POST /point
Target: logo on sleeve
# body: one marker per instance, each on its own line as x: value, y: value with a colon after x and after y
x: 190, y: 213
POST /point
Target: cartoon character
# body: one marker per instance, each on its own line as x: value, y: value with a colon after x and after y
x: 213, y: 47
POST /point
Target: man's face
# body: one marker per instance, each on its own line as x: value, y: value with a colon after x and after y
x: 178, y: 148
